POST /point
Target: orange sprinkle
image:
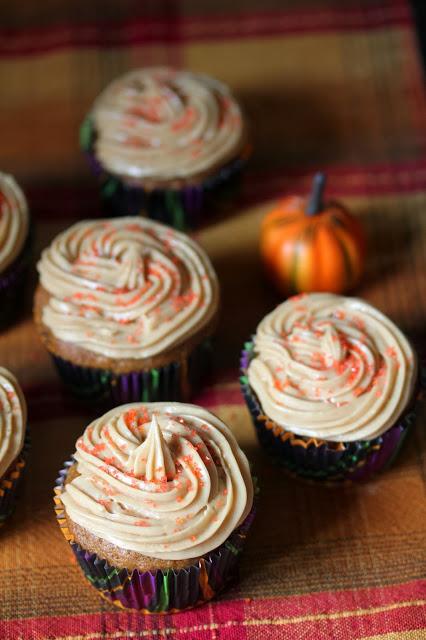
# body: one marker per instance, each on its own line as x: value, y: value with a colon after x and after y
x: 391, y: 352
x: 358, y: 391
x: 105, y: 503
x: 130, y: 418
x: 142, y: 523
x: 98, y: 448
x: 79, y: 295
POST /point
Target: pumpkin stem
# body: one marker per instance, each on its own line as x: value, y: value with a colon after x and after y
x: 315, y: 203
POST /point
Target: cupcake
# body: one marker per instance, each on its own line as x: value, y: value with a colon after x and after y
x: 156, y: 504
x: 14, y: 247
x: 169, y: 144
x: 126, y: 308
x: 13, y: 423
x: 331, y: 385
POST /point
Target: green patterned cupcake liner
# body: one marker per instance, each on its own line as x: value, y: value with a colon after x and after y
x: 158, y: 591
x: 174, y: 381
x: 183, y: 208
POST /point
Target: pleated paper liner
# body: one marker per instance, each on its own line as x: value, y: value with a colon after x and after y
x: 174, y: 381
x: 13, y: 281
x: 160, y: 591
x: 184, y: 208
x: 10, y: 483
x: 320, y: 460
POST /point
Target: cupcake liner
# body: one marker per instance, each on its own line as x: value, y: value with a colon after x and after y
x: 12, y: 285
x: 322, y: 460
x: 174, y: 381
x: 182, y: 208
x: 160, y: 591
x: 10, y: 483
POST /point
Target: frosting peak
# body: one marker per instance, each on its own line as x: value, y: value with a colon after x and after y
x: 331, y: 367
x: 130, y: 273
x: 152, y: 458
x: 167, y: 480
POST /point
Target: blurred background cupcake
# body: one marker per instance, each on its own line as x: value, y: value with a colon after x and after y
x: 331, y: 384
x: 169, y: 144
x: 126, y: 308
x: 156, y: 504
x: 13, y: 424
x: 14, y: 247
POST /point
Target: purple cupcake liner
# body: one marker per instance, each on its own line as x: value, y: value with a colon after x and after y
x: 12, y: 285
x: 11, y: 482
x: 352, y: 461
x: 182, y: 209
x: 160, y: 591
x: 171, y: 382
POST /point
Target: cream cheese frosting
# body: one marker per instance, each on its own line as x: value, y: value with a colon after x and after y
x: 167, y: 480
x: 126, y: 287
x: 332, y: 368
x: 162, y: 124
x: 13, y: 419
x: 14, y: 220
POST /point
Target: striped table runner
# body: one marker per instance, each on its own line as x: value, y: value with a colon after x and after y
x: 329, y: 85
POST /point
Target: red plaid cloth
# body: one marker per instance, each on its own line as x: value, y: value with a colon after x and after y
x: 335, y: 86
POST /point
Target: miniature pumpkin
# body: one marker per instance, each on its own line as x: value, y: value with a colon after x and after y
x: 308, y: 246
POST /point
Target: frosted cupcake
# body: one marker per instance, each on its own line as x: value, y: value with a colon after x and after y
x: 166, y: 143
x: 14, y: 247
x: 156, y: 504
x: 330, y: 382
x: 126, y: 307
x: 13, y: 424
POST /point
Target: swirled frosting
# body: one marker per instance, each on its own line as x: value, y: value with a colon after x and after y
x: 332, y: 368
x: 167, y: 480
x: 14, y: 220
x: 163, y: 124
x: 126, y: 287
x: 13, y: 419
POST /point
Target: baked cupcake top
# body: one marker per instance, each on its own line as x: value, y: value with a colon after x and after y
x: 162, y: 124
x: 13, y: 420
x: 14, y: 220
x: 167, y: 480
x: 126, y: 287
x: 332, y: 368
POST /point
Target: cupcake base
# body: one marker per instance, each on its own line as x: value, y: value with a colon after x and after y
x: 160, y: 591
x: 320, y: 460
x: 174, y: 381
x: 182, y: 208
x: 11, y: 482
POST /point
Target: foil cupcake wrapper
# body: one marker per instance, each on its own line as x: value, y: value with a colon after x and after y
x: 160, y: 591
x: 321, y: 460
x: 174, y: 381
x: 11, y: 482
x: 182, y: 209
x: 12, y: 285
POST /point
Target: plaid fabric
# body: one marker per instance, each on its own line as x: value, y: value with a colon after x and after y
x: 325, y: 85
